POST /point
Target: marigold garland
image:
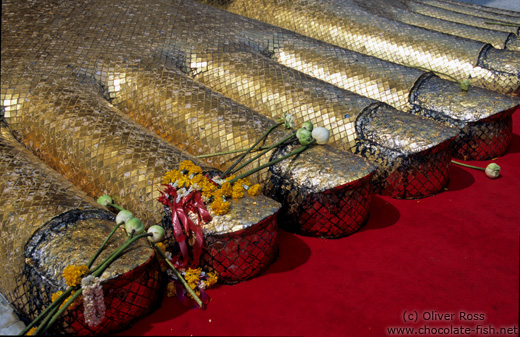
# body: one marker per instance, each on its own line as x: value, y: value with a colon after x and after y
x: 73, y: 274
x: 193, y: 275
x: 226, y: 189
x: 190, y: 175
x: 212, y: 279
x: 238, y: 191
x: 254, y: 190
x: 56, y: 295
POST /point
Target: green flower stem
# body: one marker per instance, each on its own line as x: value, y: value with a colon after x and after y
x: 104, y: 265
x: 179, y: 276
x: 501, y: 24
x: 42, y: 327
x: 261, y: 154
x: 252, y: 147
x: 231, y: 152
x: 49, y: 321
x: 100, y: 249
x: 261, y: 167
x: 117, y: 207
x: 99, y: 270
x: 49, y: 309
x: 470, y: 166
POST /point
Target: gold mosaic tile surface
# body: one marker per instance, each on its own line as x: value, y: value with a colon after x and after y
x: 241, y: 75
x: 344, y: 24
x: 87, y: 140
x: 487, y: 34
x: 361, y: 74
x: 207, y: 122
x: 471, y: 20
x: 32, y: 195
x: 467, y: 106
x: 475, y: 10
x: 54, y: 101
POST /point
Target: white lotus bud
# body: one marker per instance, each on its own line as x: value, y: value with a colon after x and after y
x: 124, y: 216
x: 158, y: 233
x: 134, y: 224
x: 492, y: 171
x: 321, y: 135
x: 104, y: 200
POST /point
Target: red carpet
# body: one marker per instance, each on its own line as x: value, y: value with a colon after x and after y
x: 456, y: 253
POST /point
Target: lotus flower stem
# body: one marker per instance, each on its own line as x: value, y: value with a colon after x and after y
x: 117, y: 207
x: 295, y: 152
x: 470, y: 166
x: 97, y: 272
x: 261, y: 154
x: 49, y: 309
x: 231, y: 152
x: 50, y: 319
x: 100, y: 249
x: 179, y: 276
x: 250, y: 149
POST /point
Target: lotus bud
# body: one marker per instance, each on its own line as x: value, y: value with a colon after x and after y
x: 465, y: 85
x: 124, y: 216
x: 104, y: 200
x: 299, y: 132
x: 157, y: 233
x: 134, y: 224
x: 321, y: 135
x: 304, y: 136
x: 492, y: 171
x: 308, y: 126
x: 289, y: 121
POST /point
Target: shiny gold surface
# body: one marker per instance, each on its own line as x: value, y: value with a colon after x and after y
x: 361, y: 74
x: 207, y: 122
x: 32, y: 195
x: 377, y: 127
x: 487, y: 34
x: 475, y: 10
x: 272, y: 89
x: 323, y: 169
x: 74, y: 130
x: 466, y: 7
x: 71, y: 108
x: 471, y: 20
x: 76, y: 244
x: 244, y: 213
x: 499, y: 40
x: 460, y: 106
x: 200, y: 32
x: 345, y: 24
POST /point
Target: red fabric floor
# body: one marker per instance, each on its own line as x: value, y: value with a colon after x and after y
x: 455, y: 253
